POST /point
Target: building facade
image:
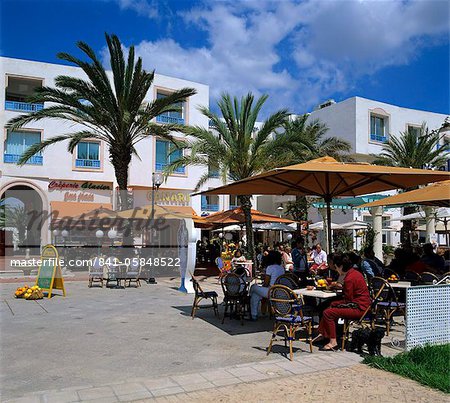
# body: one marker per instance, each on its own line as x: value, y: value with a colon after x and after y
x: 78, y: 182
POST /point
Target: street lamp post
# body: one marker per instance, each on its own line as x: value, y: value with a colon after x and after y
x: 157, y: 180
x: 99, y: 235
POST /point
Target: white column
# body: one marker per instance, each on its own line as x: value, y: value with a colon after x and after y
x: 324, y: 240
x: 377, y: 215
x: 430, y: 221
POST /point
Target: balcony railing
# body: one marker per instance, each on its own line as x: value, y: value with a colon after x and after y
x: 169, y: 119
x: 80, y: 163
x: 213, y: 174
x: 210, y: 207
x: 379, y: 139
x: 14, y: 159
x: 23, y: 106
x: 160, y: 167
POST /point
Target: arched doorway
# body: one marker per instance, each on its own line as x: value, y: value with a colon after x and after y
x: 24, y: 220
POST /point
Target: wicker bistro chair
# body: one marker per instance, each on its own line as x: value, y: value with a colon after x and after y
x: 203, y: 295
x: 95, y: 273
x: 235, y: 295
x: 286, y: 307
x: 428, y: 278
x: 386, y: 302
x: 132, y: 274
x: 288, y: 280
x: 412, y: 276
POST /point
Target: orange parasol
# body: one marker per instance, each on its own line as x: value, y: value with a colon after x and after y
x: 328, y: 178
x: 236, y: 215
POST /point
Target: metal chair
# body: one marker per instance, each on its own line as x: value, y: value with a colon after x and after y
x: 133, y: 273
x: 412, y: 277
x: 235, y: 295
x: 286, y: 307
x: 112, y: 272
x: 95, y: 273
x: 201, y: 295
x: 386, y: 301
x: 428, y: 278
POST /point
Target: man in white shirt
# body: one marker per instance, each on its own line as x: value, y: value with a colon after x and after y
x: 258, y: 292
x: 319, y: 256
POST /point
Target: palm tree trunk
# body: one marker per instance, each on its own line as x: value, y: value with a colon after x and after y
x: 246, y: 208
x: 121, y: 162
x: 407, y: 228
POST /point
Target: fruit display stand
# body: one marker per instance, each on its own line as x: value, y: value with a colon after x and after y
x: 29, y: 293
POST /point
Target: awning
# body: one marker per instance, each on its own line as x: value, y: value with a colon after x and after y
x: 71, y: 209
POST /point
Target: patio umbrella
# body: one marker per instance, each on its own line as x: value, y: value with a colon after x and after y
x: 319, y: 226
x: 442, y: 212
x: 328, y: 178
x: 235, y: 216
x: 437, y: 194
x: 274, y: 226
x: 354, y: 225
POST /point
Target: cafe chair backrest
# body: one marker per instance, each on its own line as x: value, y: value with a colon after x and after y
x: 233, y: 285
x: 382, y: 291
x: 283, y: 300
x: 428, y: 278
x: 287, y: 280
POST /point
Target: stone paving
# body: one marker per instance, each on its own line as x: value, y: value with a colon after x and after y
x: 123, y: 345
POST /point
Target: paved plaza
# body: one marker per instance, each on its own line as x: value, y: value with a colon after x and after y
x: 128, y: 344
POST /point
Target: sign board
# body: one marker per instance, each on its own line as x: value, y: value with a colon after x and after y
x: 49, y: 276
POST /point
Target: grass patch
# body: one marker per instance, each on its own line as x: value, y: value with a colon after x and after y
x: 427, y: 365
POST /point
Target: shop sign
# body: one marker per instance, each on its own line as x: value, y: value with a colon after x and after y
x: 85, y: 186
x: 170, y: 197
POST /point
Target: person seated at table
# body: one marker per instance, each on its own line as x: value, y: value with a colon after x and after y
x: 432, y: 260
x: 319, y: 257
x: 355, y: 301
x: 258, y: 292
x: 237, y: 259
x: 287, y: 258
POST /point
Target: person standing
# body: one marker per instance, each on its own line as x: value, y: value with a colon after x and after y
x: 300, y: 261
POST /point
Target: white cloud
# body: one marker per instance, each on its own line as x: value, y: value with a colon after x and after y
x: 142, y: 7
x: 323, y: 47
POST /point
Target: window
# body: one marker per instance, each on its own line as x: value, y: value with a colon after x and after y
x: 210, y: 203
x: 18, y: 142
x: 416, y: 130
x: 88, y: 155
x: 171, y: 117
x: 234, y: 202
x: 166, y: 153
x: 213, y: 170
x: 378, y: 131
x: 17, y: 91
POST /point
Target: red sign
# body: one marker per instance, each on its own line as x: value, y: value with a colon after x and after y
x: 60, y: 185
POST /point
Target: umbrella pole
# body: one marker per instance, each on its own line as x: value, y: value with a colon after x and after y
x: 329, y: 239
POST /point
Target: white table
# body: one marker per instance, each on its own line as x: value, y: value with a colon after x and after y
x: 401, y: 284
x: 315, y: 293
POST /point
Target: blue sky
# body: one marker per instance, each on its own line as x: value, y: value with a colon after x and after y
x: 300, y: 53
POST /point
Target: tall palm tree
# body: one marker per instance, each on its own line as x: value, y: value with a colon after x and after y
x: 416, y: 149
x: 306, y: 141
x: 110, y: 110
x: 235, y: 147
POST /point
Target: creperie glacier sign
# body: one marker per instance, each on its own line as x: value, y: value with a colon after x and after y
x: 84, y: 186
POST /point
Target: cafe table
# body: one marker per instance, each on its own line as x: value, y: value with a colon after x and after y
x: 315, y: 293
x: 401, y: 284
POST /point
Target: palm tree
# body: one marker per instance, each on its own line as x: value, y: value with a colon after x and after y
x: 234, y: 147
x: 416, y: 149
x: 306, y: 141
x: 112, y: 111
x: 17, y: 217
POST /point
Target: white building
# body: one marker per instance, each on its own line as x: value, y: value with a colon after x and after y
x: 84, y: 180
x: 366, y: 124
